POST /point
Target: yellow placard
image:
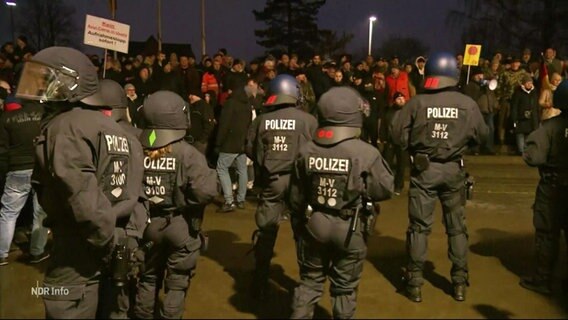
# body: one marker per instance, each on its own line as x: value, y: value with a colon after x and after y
x: 472, y: 53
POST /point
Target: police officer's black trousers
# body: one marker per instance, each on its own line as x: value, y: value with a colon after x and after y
x: 446, y: 182
x: 73, y: 278
x: 114, y: 301
x: 175, y: 252
x: 269, y: 214
x: 335, y: 259
x: 80, y: 305
x: 550, y: 216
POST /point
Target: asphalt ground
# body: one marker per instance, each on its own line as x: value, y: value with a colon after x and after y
x: 499, y: 220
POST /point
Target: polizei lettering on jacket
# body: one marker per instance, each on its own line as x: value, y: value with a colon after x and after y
x: 442, y: 113
x: 116, y: 144
x: 280, y: 124
x: 160, y: 164
x: 328, y: 164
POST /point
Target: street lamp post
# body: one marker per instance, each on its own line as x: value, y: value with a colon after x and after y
x: 371, y: 20
x: 12, y: 4
x: 159, y: 25
x: 203, y: 47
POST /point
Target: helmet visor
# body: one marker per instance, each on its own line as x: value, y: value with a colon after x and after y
x: 46, y: 83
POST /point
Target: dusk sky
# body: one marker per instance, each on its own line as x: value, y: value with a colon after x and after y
x: 231, y: 24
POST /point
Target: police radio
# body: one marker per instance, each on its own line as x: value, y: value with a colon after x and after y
x: 124, y: 260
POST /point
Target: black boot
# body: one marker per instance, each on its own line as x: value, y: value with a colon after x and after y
x: 459, y: 291
x: 414, y: 293
x: 537, y: 285
x: 259, y: 287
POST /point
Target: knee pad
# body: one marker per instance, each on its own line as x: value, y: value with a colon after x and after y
x: 151, y: 278
x: 416, y: 228
x: 455, y: 226
x: 336, y: 292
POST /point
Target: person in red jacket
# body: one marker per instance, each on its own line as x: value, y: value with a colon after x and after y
x: 397, y: 81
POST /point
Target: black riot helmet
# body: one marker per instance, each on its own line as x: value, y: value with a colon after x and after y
x: 166, y: 119
x: 441, y: 71
x: 560, y: 98
x: 115, y: 98
x: 283, y: 89
x: 60, y: 74
x: 340, y: 115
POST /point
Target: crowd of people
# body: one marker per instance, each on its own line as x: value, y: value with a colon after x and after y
x: 525, y: 83
x: 248, y: 123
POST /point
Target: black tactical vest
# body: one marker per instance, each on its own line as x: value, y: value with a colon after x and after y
x: 160, y: 176
x: 112, y: 166
x: 329, y: 177
x: 280, y: 143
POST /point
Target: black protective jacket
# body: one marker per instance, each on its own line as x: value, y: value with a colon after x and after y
x: 87, y: 174
x: 547, y: 146
x: 335, y: 176
x: 134, y: 222
x: 441, y: 124
x: 178, y: 181
x: 276, y: 136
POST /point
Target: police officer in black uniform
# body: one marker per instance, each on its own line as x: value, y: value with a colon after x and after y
x: 86, y: 175
x: 336, y: 175
x: 547, y: 149
x: 274, y: 139
x: 436, y: 128
x: 129, y: 225
x: 176, y: 178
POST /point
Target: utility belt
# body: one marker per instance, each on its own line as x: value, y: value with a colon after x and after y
x: 421, y: 161
x: 163, y: 213
x: 554, y: 176
x: 193, y: 215
x: 364, y: 215
x: 267, y: 174
x: 267, y: 177
x: 344, y: 214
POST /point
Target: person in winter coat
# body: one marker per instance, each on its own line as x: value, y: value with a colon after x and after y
x: 236, y: 116
x: 524, y: 111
